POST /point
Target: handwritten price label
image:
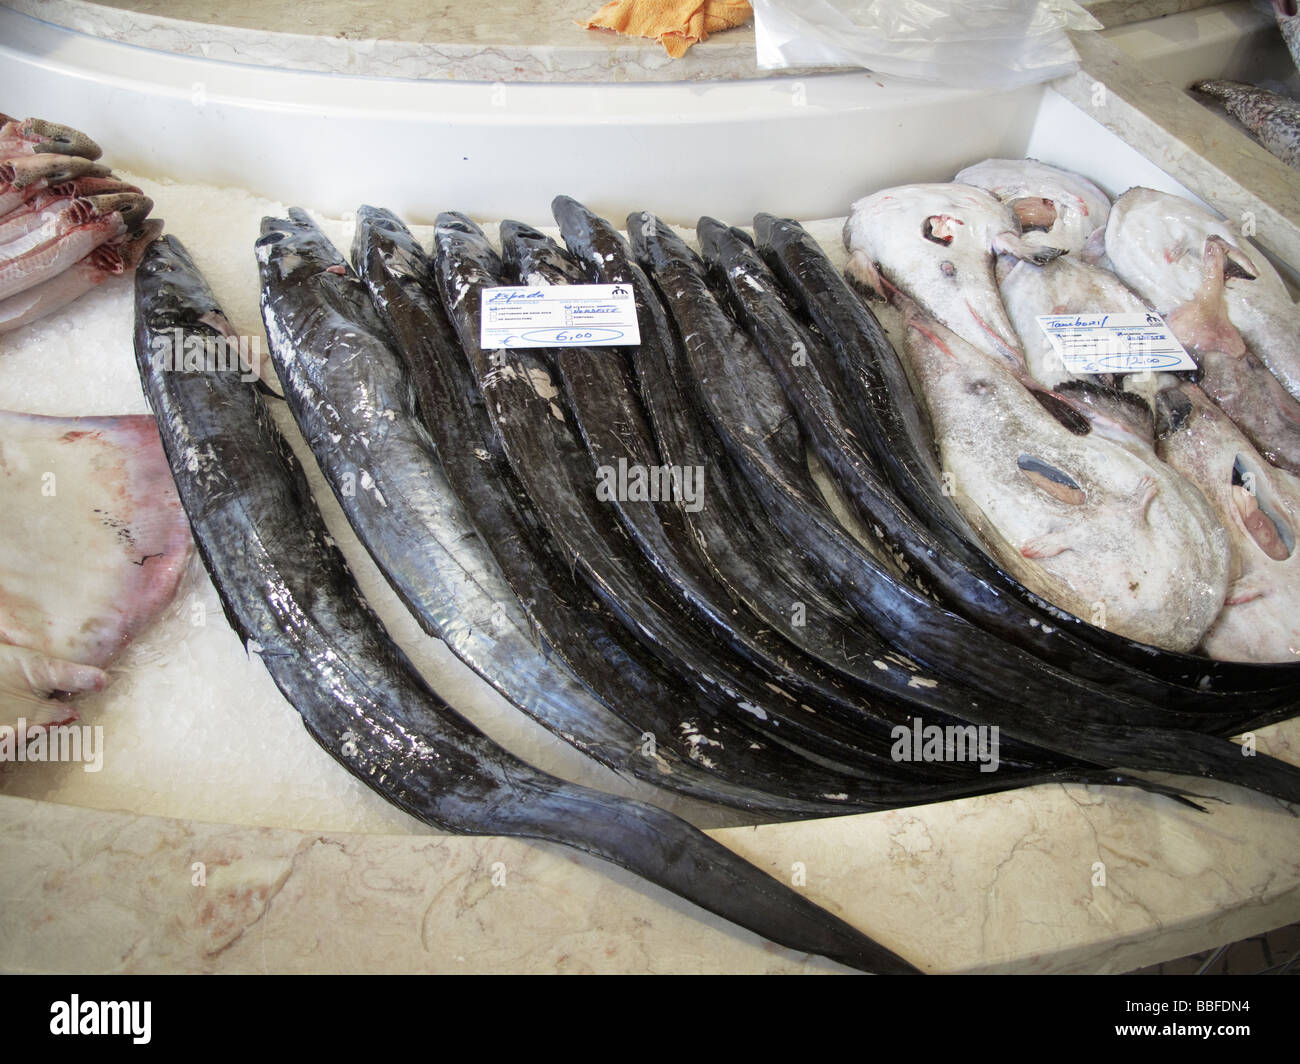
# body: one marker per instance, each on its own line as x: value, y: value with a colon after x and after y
x: 1114, y: 343
x: 575, y: 315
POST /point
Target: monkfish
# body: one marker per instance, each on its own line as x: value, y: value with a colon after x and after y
x: 936, y: 244
x: 1260, y: 508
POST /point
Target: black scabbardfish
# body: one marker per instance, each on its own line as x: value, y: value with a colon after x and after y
x: 285, y: 585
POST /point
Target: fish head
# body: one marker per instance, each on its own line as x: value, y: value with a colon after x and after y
x: 54, y: 138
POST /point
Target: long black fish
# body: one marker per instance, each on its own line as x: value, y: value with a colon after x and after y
x: 286, y: 586
x: 961, y: 575
x: 1042, y: 705
x: 747, y: 554
x: 745, y: 771
x: 345, y: 383
x: 892, y: 427
x: 551, y: 461
x: 603, y: 400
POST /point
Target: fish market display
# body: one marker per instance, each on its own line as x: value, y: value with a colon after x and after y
x: 66, y: 225
x: 1157, y: 245
x: 1273, y: 118
x: 284, y: 584
x: 1056, y: 208
x: 1259, y: 506
x: 92, y: 549
x: 355, y: 414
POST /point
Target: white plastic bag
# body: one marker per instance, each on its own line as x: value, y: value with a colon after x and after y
x: 974, y: 43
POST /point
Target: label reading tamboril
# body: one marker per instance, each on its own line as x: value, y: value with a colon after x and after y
x: 562, y: 315
x: 1114, y: 343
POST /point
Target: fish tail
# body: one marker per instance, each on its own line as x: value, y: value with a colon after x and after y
x: 680, y: 858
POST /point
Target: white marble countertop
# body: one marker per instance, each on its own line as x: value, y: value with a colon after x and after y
x: 493, y: 40
x: 1052, y: 879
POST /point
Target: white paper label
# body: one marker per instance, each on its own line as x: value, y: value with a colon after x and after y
x: 562, y: 315
x: 1114, y: 343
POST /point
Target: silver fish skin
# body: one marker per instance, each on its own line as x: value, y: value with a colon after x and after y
x: 1070, y: 205
x: 1260, y: 508
x: 937, y: 244
x: 1274, y: 119
x: 1156, y: 242
x: 1100, y: 530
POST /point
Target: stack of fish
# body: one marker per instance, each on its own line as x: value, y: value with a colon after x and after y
x: 733, y: 641
x: 1162, y: 509
x: 66, y: 224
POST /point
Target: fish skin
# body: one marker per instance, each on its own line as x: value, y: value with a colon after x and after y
x: 88, y: 565
x: 900, y: 442
x: 1156, y: 243
x: 1080, y: 207
x: 1230, y: 374
x: 1274, y: 119
x: 1288, y: 21
x: 1260, y: 619
x: 750, y: 412
x: 284, y: 584
x: 937, y: 243
x: 1166, y: 557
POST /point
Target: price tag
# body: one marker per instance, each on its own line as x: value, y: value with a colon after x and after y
x: 1114, y: 343
x: 562, y: 315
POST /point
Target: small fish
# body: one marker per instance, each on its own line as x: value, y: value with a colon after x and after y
x: 1273, y: 118
x: 111, y: 259
x: 74, y: 233
x: 33, y: 136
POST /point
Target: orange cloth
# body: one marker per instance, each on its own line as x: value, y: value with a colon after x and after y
x: 676, y: 24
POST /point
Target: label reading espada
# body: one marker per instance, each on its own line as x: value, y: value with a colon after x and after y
x: 1114, y: 343
x: 564, y: 315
